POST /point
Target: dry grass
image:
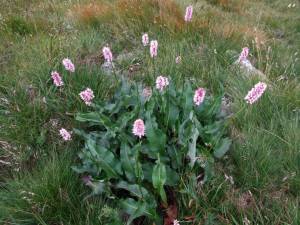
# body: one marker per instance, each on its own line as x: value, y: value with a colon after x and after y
x: 237, y: 6
x: 138, y: 15
x: 228, y: 29
x: 127, y: 12
x: 93, y: 12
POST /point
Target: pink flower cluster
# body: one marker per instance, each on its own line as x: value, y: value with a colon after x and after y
x: 153, y: 48
x: 199, y: 96
x: 244, y: 54
x: 138, y: 128
x: 107, y: 54
x: 145, y: 39
x: 68, y: 65
x: 188, y: 13
x: 256, y: 92
x: 161, y: 83
x: 57, y: 80
x: 87, y: 96
x: 65, y: 134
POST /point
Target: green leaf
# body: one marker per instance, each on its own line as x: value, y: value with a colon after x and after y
x: 157, y: 138
x: 159, y: 178
x: 222, y: 147
x: 139, y: 171
x: 208, y: 170
x: 123, y: 120
x: 185, y: 129
x: 104, y: 159
x: 88, y: 117
x: 147, y: 171
x: 136, y: 209
x: 193, y: 146
x: 214, y: 128
x: 172, y: 177
x: 134, y: 189
x: 99, y: 187
x: 97, y: 118
x: 173, y: 113
x: 176, y: 155
x: 128, y: 161
x: 187, y: 98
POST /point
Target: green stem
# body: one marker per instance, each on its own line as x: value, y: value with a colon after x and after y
x: 153, y: 63
x: 139, y: 177
x: 168, y: 107
x: 114, y: 72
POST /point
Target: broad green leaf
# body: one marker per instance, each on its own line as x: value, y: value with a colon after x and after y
x: 134, y: 189
x: 192, y: 146
x: 172, y: 176
x: 222, y: 147
x: 208, y: 170
x: 147, y: 171
x: 97, y: 118
x: 139, y: 171
x: 99, y: 187
x: 159, y: 178
x: 176, y: 155
x: 123, y: 120
x: 104, y: 159
x: 188, y: 98
x: 136, y: 209
x: 88, y: 117
x: 128, y: 161
x: 213, y: 128
x: 185, y: 129
x: 173, y: 114
x: 157, y: 138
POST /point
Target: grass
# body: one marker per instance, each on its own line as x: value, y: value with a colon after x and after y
x: 264, y: 159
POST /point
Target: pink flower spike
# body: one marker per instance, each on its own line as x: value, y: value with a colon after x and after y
x: 178, y: 59
x: 188, y: 13
x: 87, y: 96
x: 65, y: 134
x: 256, y: 92
x: 139, y: 128
x: 57, y: 79
x: 69, y: 66
x: 244, y: 54
x: 161, y: 83
x: 145, y: 39
x: 199, y: 96
x: 176, y: 222
x: 107, y: 54
x: 153, y: 48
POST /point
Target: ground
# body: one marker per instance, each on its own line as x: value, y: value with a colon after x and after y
x: 38, y: 185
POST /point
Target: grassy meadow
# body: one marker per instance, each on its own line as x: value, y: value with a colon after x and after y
x: 37, y: 184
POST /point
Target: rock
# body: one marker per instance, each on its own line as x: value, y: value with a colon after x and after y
x: 249, y: 70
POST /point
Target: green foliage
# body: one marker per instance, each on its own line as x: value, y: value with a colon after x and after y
x: 265, y: 153
x: 18, y: 25
x: 51, y: 195
x: 178, y: 134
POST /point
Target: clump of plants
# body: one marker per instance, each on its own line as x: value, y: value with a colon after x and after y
x: 142, y: 143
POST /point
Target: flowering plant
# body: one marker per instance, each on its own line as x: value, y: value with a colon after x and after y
x: 145, y: 140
